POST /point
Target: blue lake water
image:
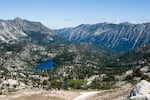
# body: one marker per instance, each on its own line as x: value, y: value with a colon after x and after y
x: 44, y: 65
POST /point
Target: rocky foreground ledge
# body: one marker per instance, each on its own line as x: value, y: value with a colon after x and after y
x: 140, y: 91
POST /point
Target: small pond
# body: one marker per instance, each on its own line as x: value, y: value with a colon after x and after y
x: 44, y: 65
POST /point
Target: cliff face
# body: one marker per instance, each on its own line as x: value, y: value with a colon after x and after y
x: 120, y: 37
x: 18, y: 28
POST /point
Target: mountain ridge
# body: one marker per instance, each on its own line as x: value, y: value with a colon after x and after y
x: 20, y: 28
x: 119, y: 37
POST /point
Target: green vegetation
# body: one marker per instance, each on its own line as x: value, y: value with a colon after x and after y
x: 73, y: 64
x: 76, y: 84
x: 106, y: 83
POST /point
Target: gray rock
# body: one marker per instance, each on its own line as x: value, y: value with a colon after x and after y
x: 140, y: 91
x: 120, y: 37
x: 18, y: 28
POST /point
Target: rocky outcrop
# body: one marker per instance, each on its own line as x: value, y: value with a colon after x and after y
x: 141, y: 91
x: 11, y: 85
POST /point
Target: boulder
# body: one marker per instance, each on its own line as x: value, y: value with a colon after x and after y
x: 140, y: 91
x: 12, y: 84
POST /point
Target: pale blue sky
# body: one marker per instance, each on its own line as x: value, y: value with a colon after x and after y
x: 68, y: 13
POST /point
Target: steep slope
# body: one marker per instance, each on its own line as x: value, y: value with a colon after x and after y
x: 19, y: 29
x: 120, y: 37
x: 139, y: 56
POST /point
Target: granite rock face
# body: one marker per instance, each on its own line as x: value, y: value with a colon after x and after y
x: 119, y: 37
x: 16, y: 29
x: 140, y: 91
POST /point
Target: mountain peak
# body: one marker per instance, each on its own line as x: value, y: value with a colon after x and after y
x: 18, y: 19
x: 20, y: 28
x: 125, y: 23
x: 119, y: 37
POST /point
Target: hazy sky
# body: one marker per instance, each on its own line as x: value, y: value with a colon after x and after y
x: 67, y: 13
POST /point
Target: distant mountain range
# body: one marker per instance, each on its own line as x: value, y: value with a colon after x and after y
x: 77, y: 53
x: 119, y: 37
x: 25, y: 43
x: 18, y: 29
